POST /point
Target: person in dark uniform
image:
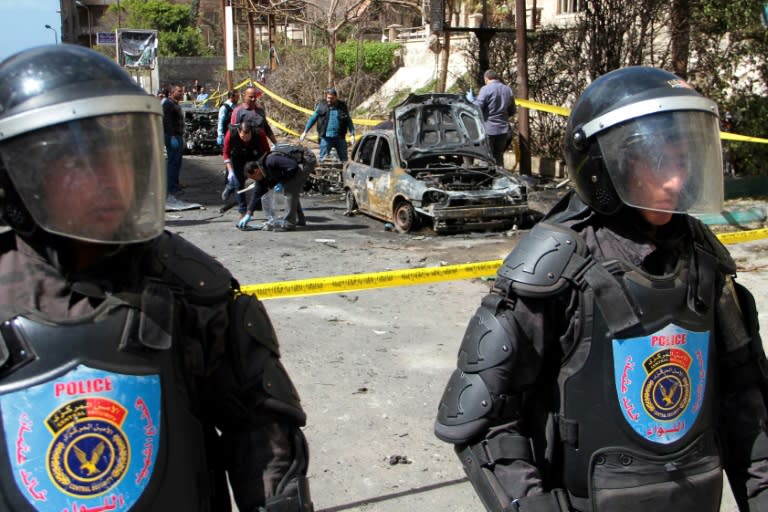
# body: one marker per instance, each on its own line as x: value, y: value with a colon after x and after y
x: 617, y: 365
x: 133, y: 374
x: 173, y: 128
x: 282, y: 170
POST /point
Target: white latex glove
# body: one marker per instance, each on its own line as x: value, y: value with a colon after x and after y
x: 352, y: 139
x: 303, y: 136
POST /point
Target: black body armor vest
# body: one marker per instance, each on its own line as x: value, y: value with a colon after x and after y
x: 95, y: 416
x: 638, y: 385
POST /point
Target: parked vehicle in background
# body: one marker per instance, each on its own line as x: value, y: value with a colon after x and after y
x: 434, y: 168
x: 200, y: 129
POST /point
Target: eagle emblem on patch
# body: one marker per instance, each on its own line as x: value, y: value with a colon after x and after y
x: 90, y: 453
x: 661, y: 380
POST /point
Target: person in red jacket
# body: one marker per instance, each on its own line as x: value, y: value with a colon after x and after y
x: 247, y: 118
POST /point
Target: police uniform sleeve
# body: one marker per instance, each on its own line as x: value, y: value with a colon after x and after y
x: 265, y: 450
x: 744, y: 374
x: 490, y: 409
x: 231, y: 348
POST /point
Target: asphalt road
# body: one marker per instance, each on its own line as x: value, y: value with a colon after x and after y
x: 371, y: 365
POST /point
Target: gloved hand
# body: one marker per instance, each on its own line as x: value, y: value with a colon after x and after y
x: 303, y: 136
x: 220, y: 140
x: 175, y: 142
x: 352, y: 139
x: 279, y: 187
x: 244, y: 221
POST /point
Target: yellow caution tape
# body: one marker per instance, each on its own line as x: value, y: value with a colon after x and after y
x: 353, y: 282
x: 741, y: 138
x: 739, y: 237
x: 525, y: 103
x: 410, y: 277
x: 535, y: 105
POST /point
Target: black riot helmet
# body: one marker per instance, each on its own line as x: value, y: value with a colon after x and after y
x: 640, y: 128
x: 81, y: 152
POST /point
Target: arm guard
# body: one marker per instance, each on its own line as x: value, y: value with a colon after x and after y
x: 292, y: 493
x: 479, y: 460
x: 262, y: 383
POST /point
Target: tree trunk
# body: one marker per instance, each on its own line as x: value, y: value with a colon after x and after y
x: 331, y: 58
x: 445, y: 53
x: 681, y: 28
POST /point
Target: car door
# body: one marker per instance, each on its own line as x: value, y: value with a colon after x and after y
x: 358, y: 170
x: 380, y: 183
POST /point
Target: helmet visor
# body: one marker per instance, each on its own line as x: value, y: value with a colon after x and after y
x: 667, y: 162
x: 99, y: 179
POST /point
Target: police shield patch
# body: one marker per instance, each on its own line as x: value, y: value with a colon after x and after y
x: 660, y: 381
x: 87, y: 440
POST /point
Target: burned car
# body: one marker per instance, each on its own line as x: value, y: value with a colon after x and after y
x: 434, y: 167
x: 200, y: 129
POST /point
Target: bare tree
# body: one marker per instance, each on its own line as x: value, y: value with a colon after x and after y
x: 622, y: 33
x: 442, y: 44
x: 329, y: 16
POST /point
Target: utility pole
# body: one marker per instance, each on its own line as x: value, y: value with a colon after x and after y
x: 522, y: 87
x: 226, y: 9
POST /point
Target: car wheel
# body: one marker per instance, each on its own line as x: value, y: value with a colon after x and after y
x: 405, y: 218
x: 349, y: 198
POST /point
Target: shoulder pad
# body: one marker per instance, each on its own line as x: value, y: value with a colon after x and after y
x: 200, y: 276
x: 704, y: 236
x: 544, y: 262
x: 485, y: 343
x: 250, y: 317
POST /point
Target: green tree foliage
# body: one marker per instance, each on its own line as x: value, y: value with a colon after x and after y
x: 175, y: 24
x: 727, y: 63
x: 370, y: 57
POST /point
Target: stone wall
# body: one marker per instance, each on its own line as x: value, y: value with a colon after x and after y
x: 185, y: 70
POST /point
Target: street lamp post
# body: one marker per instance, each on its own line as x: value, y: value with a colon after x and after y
x: 55, y: 34
x: 88, y: 12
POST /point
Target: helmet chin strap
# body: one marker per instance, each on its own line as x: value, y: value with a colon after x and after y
x: 12, y: 209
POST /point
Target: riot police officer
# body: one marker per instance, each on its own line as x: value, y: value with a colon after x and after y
x: 133, y: 375
x: 616, y: 363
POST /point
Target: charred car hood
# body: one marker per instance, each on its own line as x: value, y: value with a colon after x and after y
x: 426, y: 124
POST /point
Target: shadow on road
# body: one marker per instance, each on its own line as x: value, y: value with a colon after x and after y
x: 393, y: 496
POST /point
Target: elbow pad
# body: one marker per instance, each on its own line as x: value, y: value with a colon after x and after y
x: 467, y: 402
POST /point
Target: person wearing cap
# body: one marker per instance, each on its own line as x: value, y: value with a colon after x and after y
x: 134, y: 374
x: 333, y: 123
x: 616, y: 364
